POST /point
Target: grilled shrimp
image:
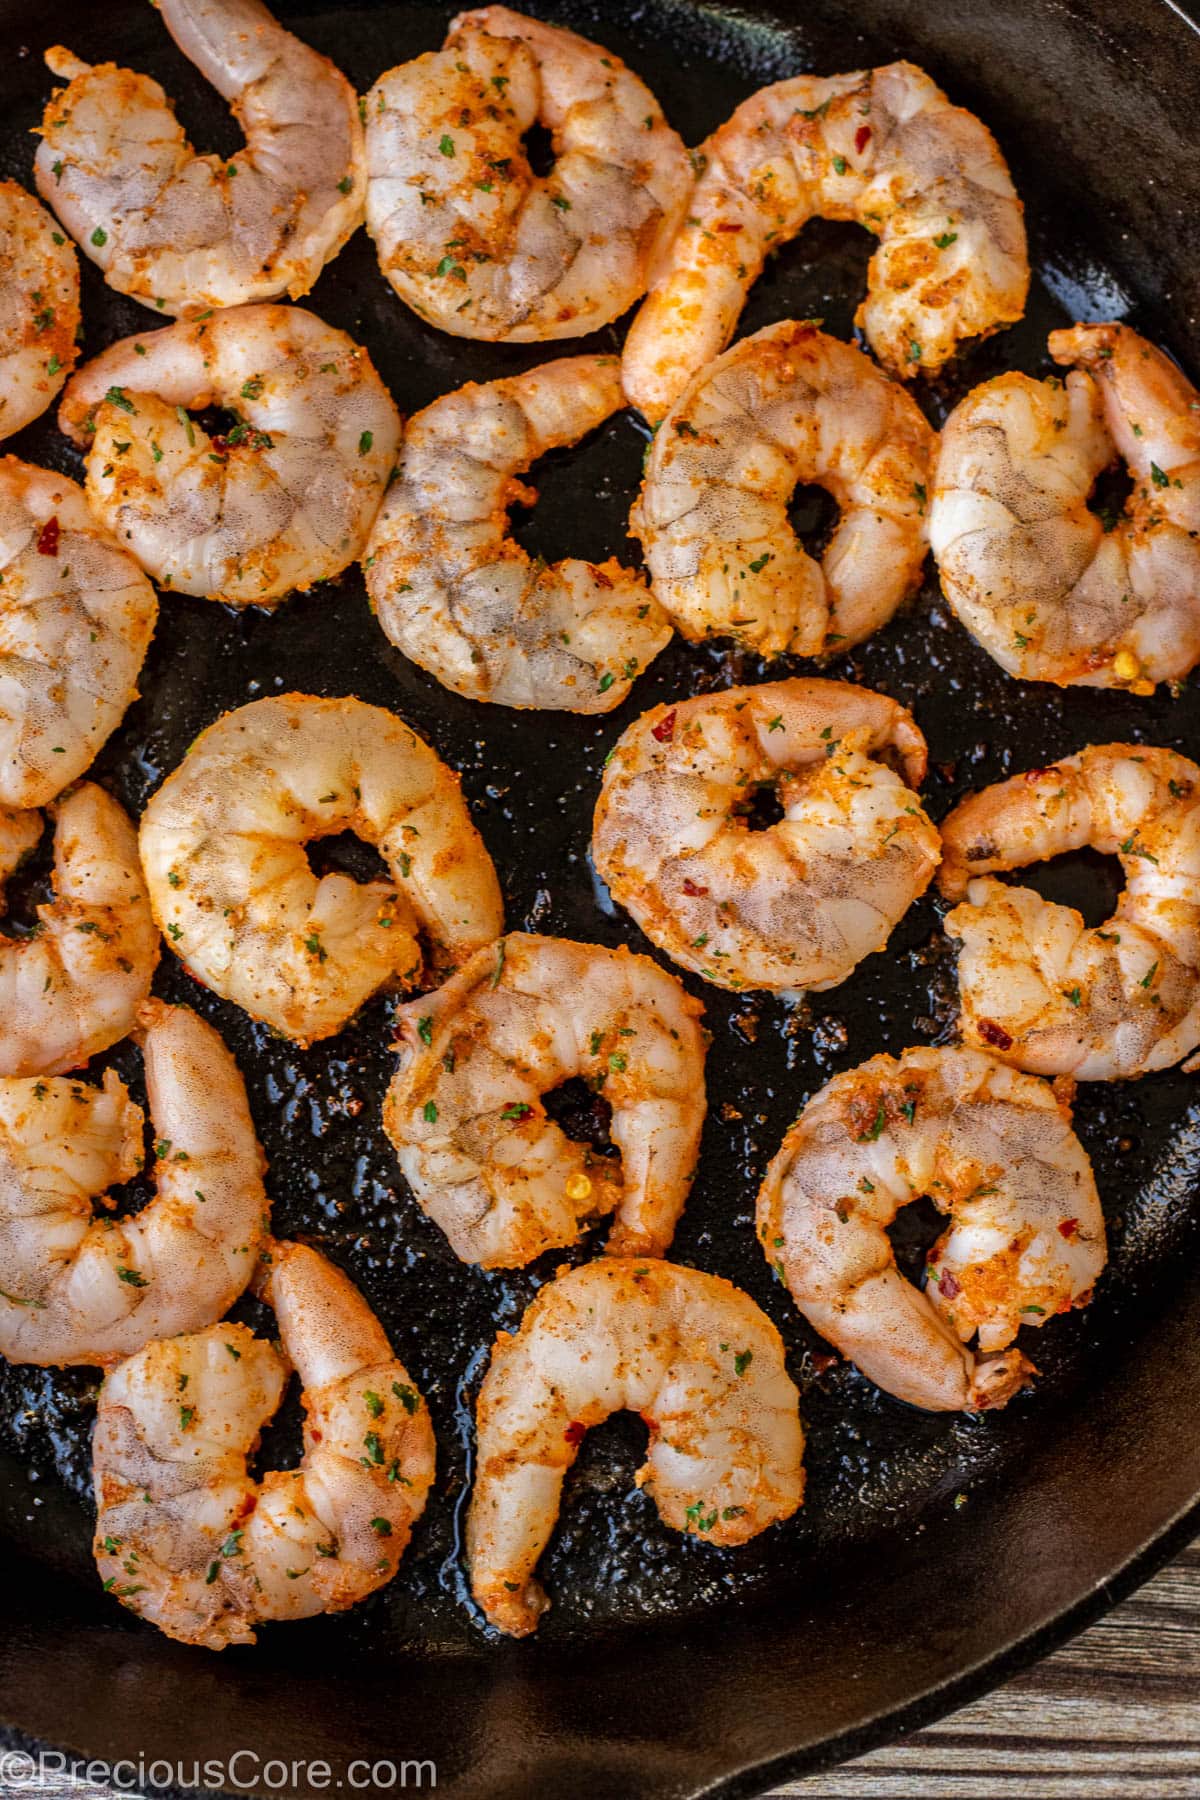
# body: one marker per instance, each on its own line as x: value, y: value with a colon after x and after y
x: 464, y: 1111
x: 883, y: 147
x: 74, y: 987
x: 77, y: 1288
x: 799, y: 904
x: 467, y: 235
x: 688, y: 1351
x: 460, y: 597
x: 784, y: 406
x: 1037, y: 987
x: 1030, y: 571
x: 187, y: 1538
x: 995, y: 1152
x: 223, y: 839
x: 283, y: 499
x: 183, y: 232
x: 39, y: 309
x: 76, y: 619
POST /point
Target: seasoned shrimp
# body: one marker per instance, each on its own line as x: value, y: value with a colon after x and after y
x: 76, y: 619
x: 465, y: 1112
x: 187, y: 1538
x: 223, y: 839
x: 182, y: 232
x: 467, y: 235
x: 799, y: 904
x: 74, y: 986
x: 1036, y: 986
x: 39, y: 309
x: 1030, y: 571
x: 995, y: 1152
x: 285, y: 498
x: 883, y: 147
x: 688, y: 1351
x: 460, y: 597
x: 77, y: 1288
x: 784, y: 406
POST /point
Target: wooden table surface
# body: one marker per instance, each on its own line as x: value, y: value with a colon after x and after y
x: 1114, y: 1715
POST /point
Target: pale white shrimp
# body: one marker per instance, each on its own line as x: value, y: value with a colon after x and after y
x: 184, y: 232
x: 462, y: 598
x: 285, y: 498
x: 222, y: 844
x: 74, y: 987
x: 187, y: 1538
x: 1036, y: 986
x: 691, y: 1353
x: 80, y: 1288
x: 1029, y: 569
x: 995, y: 1152
x: 883, y: 147
x: 799, y: 904
x: 787, y: 405
x: 76, y: 619
x: 467, y: 235
x: 39, y: 308
x: 465, y: 1112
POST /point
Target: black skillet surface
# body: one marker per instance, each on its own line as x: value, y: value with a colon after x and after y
x: 933, y: 1553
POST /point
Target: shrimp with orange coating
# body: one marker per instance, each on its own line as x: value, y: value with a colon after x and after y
x: 994, y: 1150
x: 691, y: 1353
x: 39, y: 309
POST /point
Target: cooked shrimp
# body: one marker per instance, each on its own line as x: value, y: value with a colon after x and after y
x: 883, y: 147
x: 799, y: 904
x: 183, y: 232
x: 1037, y: 987
x: 75, y: 985
x: 223, y: 839
x: 467, y: 235
x: 76, y: 619
x: 460, y: 597
x: 688, y: 1351
x: 39, y: 308
x: 995, y: 1152
x: 1030, y: 571
x: 187, y: 1538
x: 784, y: 406
x: 465, y: 1112
x: 77, y: 1288
x: 284, y: 499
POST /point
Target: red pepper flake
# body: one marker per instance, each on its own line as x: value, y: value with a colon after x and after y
x: 693, y: 888
x: 47, y: 538
x: 649, y: 1423
x: 575, y: 1432
x: 664, y: 731
x: 1068, y: 1228
x: 821, y: 1363
x: 995, y: 1035
x: 220, y: 446
x: 948, y: 1287
x: 862, y: 138
x: 1032, y: 775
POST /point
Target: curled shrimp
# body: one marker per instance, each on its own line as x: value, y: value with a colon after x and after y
x: 39, y: 309
x: 75, y: 986
x: 1036, y: 986
x: 1028, y: 568
x: 187, y: 1538
x: 995, y: 1152
x: 784, y: 406
x: 183, y: 232
x: 883, y: 147
x: 460, y: 597
x: 76, y: 619
x: 691, y: 1353
x: 465, y: 1112
x: 285, y: 498
x: 799, y: 904
x: 222, y: 843
x: 467, y: 235
x: 80, y: 1288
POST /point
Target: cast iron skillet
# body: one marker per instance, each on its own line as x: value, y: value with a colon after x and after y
x: 934, y: 1555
